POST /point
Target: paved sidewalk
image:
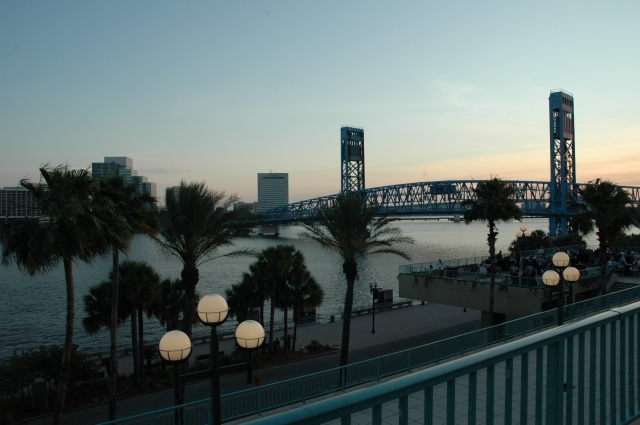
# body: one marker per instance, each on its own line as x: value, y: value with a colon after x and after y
x: 395, y: 330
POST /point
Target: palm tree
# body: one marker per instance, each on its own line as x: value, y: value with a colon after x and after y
x: 261, y: 283
x: 537, y: 239
x: 97, y: 308
x: 307, y: 294
x: 606, y: 208
x: 493, y: 201
x: 140, y: 286
x: 172, y: 303
x: 354, y: 230
x: 194, y: 225
x: 275, y: 264
x: 71, y: 231
x: 243, y: 297
x: 129, y: 211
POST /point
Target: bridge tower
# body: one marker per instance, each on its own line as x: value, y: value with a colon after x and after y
x: 352, y: 159
x: 563, y: 155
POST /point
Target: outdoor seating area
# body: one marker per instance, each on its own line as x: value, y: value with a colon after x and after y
x: 528, y: 271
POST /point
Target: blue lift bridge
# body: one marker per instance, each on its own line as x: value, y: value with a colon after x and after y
x: 546, y: 199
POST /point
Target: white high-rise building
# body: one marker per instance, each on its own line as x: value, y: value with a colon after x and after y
x: 273, y: 190
x: 18, y: 202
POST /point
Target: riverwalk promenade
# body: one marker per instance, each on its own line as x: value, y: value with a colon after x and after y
x: 396, y: 330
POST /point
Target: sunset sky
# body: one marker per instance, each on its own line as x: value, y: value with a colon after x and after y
x: 220, y: 91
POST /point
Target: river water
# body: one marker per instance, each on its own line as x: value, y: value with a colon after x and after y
x: 33, y: 308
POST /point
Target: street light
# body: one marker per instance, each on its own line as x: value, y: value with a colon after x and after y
x: 249, y: 336
x: 175, y: 348
x: 523, y: 233
x: 373, y: 287
x: 552, y: 278
x: 213, y: 311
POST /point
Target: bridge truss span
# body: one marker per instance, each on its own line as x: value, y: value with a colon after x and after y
x: 442, y: 198
x: 438, y: 198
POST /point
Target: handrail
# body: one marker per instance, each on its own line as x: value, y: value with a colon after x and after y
x: 556, y: 390
x: 260, y: 399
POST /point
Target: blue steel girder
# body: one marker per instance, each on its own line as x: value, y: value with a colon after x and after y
x: 441, y: 198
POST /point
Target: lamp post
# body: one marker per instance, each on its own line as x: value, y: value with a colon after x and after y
x: 249, y: 336
x: 213, y: 311
x: 373, y: 287
x: 552, y: 278
x: 175, y: 348
x: 523, y: 233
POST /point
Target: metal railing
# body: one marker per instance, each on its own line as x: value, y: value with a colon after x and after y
x: 260, y: 399
x: 502, y: 278
x: 471, y: 261
x: 584, y: 371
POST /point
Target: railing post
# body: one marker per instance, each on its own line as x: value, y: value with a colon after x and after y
x: 376, y: 415
x: 403, y: 410
x: 555, y: 378
x: 304, y: 391
x: 259, y: 396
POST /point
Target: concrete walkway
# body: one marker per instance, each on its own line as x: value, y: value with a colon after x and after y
x: 395, y: 330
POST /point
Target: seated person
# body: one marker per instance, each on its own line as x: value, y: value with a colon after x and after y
x: 430, y: 270
x: 513, y: 271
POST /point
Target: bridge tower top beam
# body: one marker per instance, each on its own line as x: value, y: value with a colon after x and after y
x: 563, y: 155
x: 352, y: 159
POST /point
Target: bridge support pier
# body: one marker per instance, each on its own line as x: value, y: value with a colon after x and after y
x: 269, y: 230
x: 456, y: 218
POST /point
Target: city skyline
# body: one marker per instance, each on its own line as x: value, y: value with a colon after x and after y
x: 220, y: 92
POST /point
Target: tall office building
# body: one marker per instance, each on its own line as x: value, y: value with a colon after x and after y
x: 273, y: 190
x: 122, y: 166
x: 18, y: 202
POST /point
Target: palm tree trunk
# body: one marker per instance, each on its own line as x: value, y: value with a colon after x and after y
x: 603, y: 244
x: 141, y: 343
x: 272, y: 318
x: 190, y: 277
x: 351, y: 271
x: 492, y: 253
x: 296, y: 317
x: 113, y: 360
x: 68, y: 342
x: 286, y: 328
x: 134, y: 344
x: 264, y: 346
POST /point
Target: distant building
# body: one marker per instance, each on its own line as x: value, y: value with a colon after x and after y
x: 18, y: 202
x: 176, y: 192
x: 273, y: 190
x: 122, y: 166
x: 250, y: 206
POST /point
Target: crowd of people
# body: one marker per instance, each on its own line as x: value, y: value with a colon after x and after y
x: 525, y: 269
x: 624, y: 261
